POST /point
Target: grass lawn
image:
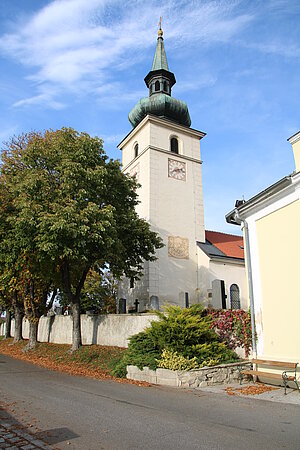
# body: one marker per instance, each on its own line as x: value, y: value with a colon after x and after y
x: 95, y: 361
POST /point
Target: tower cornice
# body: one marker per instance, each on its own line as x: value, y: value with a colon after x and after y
x: 161, y: 150
x: 163, y: 122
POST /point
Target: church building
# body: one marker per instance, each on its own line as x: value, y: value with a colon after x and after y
x: 163, y: 152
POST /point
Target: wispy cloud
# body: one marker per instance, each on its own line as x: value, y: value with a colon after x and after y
x: 75, y: 45
x: 287, y: 49
x: 6, y: 133
x: 113, y: 138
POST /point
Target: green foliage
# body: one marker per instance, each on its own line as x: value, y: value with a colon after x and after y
x: 185, y: 331
x: 64, y: 208
x: 173, y: 361
x: 142, y: 351
x: 98, y: 295
x: 233, y: 326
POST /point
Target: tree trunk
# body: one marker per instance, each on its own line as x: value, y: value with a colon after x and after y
x: 33, y: 328
x: 54, y: 293
x: 8, y: 324
x: 18, y: 323
x: 74, y: 300
x: 76, y: 337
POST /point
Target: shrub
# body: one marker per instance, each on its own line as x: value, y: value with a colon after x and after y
x: 233, y: 326
x: 186, y: 332
x: 141, y: 352
x: 173, y: 361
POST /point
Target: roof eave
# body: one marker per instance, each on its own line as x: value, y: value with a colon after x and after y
x: 231, y: 259
x: 236, y: 216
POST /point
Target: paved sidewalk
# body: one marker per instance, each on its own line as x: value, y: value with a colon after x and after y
x: 276, y: 395
x: 14, y: 436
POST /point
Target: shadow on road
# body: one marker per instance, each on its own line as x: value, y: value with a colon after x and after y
x: 56, y: 435
x: 15, y: 433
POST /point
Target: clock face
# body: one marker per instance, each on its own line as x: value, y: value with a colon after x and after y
x: 177, y: 170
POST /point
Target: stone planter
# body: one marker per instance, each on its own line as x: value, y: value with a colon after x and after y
x: 207, y: 376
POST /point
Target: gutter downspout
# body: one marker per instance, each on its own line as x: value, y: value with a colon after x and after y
x: 249, y: 270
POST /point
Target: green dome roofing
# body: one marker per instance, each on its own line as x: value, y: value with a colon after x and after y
x: 161, y: 105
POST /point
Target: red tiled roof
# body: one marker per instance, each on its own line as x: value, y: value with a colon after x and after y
x: 231, y: 245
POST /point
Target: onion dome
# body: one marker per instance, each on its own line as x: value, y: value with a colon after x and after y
x: 160, y: 103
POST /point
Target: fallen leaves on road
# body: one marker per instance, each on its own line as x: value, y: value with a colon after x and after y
x: 256, y: 389
x: 94, y: 361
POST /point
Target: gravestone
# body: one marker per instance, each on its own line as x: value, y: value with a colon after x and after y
x: 186, y: 297
x: 136, y: 304
x: 154, y: 302
x: 218, y: 299
x: 122, y: 306
x: 58, y: 310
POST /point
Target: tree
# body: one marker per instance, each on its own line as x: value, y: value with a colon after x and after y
x: 99, y: 292
x: 9, y: 297
x: 26, y: 272
x: 79, y: 209
x: 5, y: 305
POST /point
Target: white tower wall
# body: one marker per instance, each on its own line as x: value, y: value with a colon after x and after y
x: 174, y: 208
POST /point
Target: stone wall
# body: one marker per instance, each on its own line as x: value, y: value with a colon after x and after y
x: 207, y: 376
x: 111, y: 329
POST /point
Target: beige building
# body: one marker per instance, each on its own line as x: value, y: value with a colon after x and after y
x: 271, y: 224
x: 163, y: 152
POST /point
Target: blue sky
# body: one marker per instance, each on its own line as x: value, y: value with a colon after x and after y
x: 81, y: 63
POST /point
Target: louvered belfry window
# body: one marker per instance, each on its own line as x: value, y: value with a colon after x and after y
x: 174, y: 145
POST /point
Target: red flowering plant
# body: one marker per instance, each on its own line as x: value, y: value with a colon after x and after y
x: 233, y: 326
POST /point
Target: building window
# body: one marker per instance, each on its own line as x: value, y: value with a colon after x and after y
x: 136, y: 150
x: 174, y: 145
x: 165, y: 86
x: 131, y: 282
x: 235, y: 302
x: 157, y: 86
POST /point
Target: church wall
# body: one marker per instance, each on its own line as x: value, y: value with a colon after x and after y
x: 231, y: 273
x: 160, y: 135
x: 142, y: 138
x: 173, y: 207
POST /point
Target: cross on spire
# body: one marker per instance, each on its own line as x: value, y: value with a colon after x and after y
x: 160, y: 31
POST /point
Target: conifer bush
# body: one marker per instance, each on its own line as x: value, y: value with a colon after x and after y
x: 185, y: 331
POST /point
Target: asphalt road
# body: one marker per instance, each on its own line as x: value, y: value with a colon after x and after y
x: 82, y: 413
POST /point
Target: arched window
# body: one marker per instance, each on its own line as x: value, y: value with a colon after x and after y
x: 235, y: 302
x: 165, y: 86
x: 136, y: 150
x: 157, y: 86
x: 174, y: 145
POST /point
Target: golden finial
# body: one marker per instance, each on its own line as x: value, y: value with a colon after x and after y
x: 160, y: 31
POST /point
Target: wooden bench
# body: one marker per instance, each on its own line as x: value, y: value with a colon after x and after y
x: 287, y: 366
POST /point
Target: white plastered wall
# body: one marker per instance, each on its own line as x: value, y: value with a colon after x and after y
x: 232, y: 272
x: 173, y: 208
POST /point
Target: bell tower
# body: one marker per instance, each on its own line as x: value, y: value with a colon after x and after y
x: 163, y: 152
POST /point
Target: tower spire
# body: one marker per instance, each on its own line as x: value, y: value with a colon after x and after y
x: 160, y: 81
x: 160, y: 31
x: 160, y: 58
